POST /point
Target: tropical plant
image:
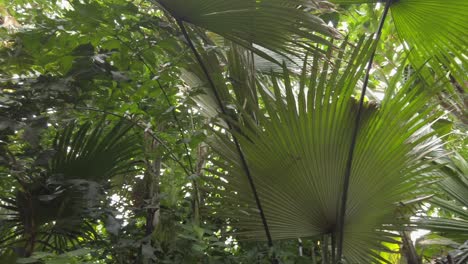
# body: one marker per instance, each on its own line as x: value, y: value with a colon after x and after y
x: 220, y: 98
x: 56, y: 207
x: 438, y: 43
x: 296, y: 152
x: 450, y: 222
x: 283, y: 27
x: 298, y: 156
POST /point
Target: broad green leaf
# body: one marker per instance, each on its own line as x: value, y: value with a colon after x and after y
x: 283, y: 27
x: 297, y: 156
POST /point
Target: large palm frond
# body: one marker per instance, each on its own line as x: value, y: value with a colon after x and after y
x: 279, y: 26
x: 93, y: 152
x: 55, y: 209
x: 452, y: 198
x: 297, y: 152
x: 434, y: 31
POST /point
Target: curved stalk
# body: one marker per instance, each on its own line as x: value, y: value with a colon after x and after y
x: 349, y: 162
x: 236, y: 142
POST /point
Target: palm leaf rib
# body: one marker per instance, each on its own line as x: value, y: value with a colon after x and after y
x: 354, y: 136
x: 239, y: 151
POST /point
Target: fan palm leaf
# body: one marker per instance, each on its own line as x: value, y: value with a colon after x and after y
x: 452, y: 198
x: 283, y: 27
x: 297, y: 154
x: 93, y: 152
x: 55, y: 209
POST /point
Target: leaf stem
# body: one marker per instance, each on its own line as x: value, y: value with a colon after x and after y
x: 357, y: 124
x: 236, y: 142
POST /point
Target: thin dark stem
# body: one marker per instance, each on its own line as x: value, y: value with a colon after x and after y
x: 178, y: 123
x: 349, y: 162
x: 239, y: 150
x: 166, y: 97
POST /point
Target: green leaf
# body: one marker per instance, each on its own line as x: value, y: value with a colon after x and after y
x: 283, y: 27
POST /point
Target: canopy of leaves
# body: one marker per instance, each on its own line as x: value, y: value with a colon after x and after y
x: 185, y: 131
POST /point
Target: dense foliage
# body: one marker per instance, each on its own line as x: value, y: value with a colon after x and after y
x: 207, y: 131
